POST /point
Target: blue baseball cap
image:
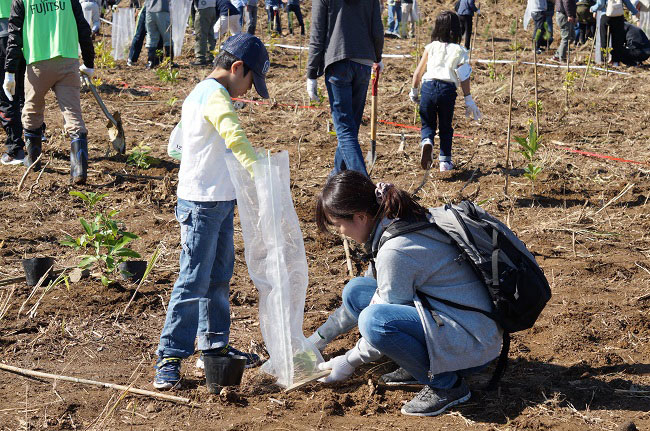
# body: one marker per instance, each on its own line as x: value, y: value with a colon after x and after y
x: 252, y: 52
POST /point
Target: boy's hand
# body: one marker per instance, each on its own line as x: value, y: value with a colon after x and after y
x: 471, y: 110
x: 86, y: 71
x: 341, y: 369
x: 312, y: 89
x: 414, y: 95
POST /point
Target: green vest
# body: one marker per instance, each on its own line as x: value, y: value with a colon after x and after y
x: 5, y: 8
x: 49, y: 30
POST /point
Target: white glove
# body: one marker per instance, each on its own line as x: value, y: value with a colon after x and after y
x: 9, y: 86
x: 380, y: 66
x: 471, y: 110
x: 312, y: 89
x: 341, y: 369
x: 86, y: 71
x: 414, y: 95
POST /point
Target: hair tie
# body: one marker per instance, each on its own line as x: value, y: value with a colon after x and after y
x: 380, y: 190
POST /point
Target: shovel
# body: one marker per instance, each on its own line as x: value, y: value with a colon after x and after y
x: 371, y: 157
x: 115, y: 129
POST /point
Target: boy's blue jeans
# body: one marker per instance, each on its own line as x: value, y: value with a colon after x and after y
x: 397, y: 332
x: 437, y: 101
x: 394, y: 17
x: 347, y: 85
x: 199, y: 305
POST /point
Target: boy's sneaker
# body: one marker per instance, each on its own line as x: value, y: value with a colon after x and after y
x: 426, y: 154
x: 398, y: 377
x: 446, y: 166
x: 168, y: 373
x: 17, y: 159
x: 556, y: 59
x: 432, y: 402
x: 252, y: 360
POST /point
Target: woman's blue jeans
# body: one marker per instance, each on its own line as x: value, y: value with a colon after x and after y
x: 396, y: 331
x: 199, y: 305
x: 394, y: 17
x: 437, y: 101
x: 347, y: 85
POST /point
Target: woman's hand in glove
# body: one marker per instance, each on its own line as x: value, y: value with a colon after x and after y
x: 471, y: 110
x: 341, y: 369
x: 414, y: 95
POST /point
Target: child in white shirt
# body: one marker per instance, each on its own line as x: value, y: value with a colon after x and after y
x: 446, y: 64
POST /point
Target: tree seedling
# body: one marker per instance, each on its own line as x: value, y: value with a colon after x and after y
x: 166, y: 73
x: 105, y: 236
x: 140, y: 157
x: 103, y: 57
x: 529, y: 146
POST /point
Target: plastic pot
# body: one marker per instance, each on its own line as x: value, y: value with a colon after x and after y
x: 35, y: 268
x: 135, y: 267
x: 223, y: 371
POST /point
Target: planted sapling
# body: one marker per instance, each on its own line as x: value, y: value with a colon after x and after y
x: 106, y: 236
x: 529, y: 146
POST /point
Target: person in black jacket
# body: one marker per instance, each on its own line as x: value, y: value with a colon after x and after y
x: 637, y: 46
x: 49, y: 39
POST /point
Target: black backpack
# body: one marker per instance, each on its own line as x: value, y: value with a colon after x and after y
x: 515, y: 282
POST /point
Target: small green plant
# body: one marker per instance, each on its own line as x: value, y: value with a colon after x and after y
x: 140, y: 157
x: 172, y: 101
x: 531, y: 105
x: 106, y: 237
x: 97, y: 81
x: 492, y: 71
x: 103, y: 57
x: 516, y: 47
x: 529, y: 146
x: 513, y: 27
x: 166, y: 73
x: 569, y: 80
x: 487, y: 32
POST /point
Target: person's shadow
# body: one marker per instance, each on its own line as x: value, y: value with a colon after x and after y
x: 531, y: 384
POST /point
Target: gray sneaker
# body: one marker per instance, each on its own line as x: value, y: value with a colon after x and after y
x: 13, y: 159
x: 398, y: 377
x: 432, y: 402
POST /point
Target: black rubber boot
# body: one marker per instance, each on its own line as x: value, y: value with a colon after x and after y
x: 33, y: 148
x: 79, y: 159
x: 152, y: 58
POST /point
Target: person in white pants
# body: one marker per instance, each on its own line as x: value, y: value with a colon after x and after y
x: 228, y: 21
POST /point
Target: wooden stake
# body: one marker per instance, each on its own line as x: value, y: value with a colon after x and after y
x: 566, y: 79
x: 31, y: 373
x: 593, y: 43
x: 516, y: 46
x: 494, y: 57
x: 512, y: 81
x: 346, y: 246
x: 471, y: 45
x: 535, y: 73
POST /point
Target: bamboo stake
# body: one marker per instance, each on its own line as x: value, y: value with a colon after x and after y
x: 593, y: 43
x: 512, y: 80
x: 471, y: 45
x: 31, y: 373
x: 348, y: 260
x: 536, y: 103
x: 566, y: 79
x: 494, y: 57
x: 516, y: 46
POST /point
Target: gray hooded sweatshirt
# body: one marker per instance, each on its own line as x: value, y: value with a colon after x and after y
x: 427, y: 261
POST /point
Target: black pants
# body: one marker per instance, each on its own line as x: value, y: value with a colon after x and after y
x: 10, y: 110
x: 466, y: 28
x: 139, y: 36
x: 616, y: 25
x: 539, y: 18
x: 585, y: 31
x: 295, y: 8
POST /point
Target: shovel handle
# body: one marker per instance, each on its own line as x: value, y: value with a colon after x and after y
x: 373, y: 111
x: 99, y: 99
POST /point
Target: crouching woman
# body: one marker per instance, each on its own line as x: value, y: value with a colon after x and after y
x: 433, y: 343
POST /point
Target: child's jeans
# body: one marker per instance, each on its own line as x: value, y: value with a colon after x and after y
x: 199, y: 305
x: 397, y: 332
x: 437, y: 101
x: 347, y: 85
x: 394, y: 17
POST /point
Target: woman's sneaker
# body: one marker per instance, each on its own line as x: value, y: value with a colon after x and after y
x: 426, y: 154
x: 432, y: 402
x: 446, y: 166
x: 398, y: 377
x: 252, y: 360
x: 168, y: 373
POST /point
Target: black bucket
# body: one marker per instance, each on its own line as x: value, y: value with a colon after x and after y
x: 35, y: 268
x: 223, y: 371
x: 135, y: 267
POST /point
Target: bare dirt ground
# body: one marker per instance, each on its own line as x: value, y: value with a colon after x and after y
x: 585, y: 365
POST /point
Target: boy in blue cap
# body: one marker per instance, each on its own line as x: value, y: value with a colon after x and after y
x: 199, y: 304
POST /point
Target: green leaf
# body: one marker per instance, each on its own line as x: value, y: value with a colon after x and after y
x: 80, y: 195
x: 87, y: 261
x: 86, y: 226
x: 127, y: 252
x: 105, y: 280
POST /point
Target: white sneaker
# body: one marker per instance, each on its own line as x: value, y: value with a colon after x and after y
x: 446, y: 166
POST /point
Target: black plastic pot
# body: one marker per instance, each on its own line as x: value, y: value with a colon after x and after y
x: 223, y: 371
x: 35, y: 268
x: 135, y: 267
